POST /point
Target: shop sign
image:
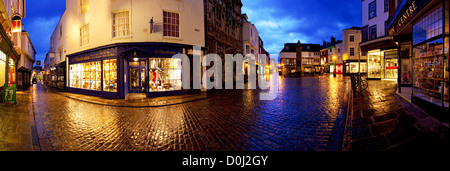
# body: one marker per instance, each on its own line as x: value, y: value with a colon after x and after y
x: 95, y: 55
x: 404, y: 16
x: 9, y: 93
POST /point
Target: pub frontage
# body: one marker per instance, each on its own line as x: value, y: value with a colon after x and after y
x: 116, y: 70
x: 421, y: 29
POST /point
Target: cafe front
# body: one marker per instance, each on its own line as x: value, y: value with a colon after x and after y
x: 114, y: 71
x: 421, y: 28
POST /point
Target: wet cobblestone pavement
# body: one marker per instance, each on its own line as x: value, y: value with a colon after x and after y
x: 306, y: 116
x: 384, y: 121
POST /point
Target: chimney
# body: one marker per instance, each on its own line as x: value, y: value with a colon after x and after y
x: 333, y: 40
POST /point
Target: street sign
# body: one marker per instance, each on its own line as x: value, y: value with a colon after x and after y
x: 9, y: 93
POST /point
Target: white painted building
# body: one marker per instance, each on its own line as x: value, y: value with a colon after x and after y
x: 250, y: 37
x: 125, y: 34
x: 375, y: 42
x: 351, y: 51
x: 16, y: 50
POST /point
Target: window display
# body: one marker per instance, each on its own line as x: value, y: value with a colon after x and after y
x: 110, y: 75
x: 431, y: 80
x: 86, y: 76
x: 374, y: 64
x: 164, y: 74
x: 2, y: 68
x: 354, y: 67
x: 12, y: 72
x: 406, y: 64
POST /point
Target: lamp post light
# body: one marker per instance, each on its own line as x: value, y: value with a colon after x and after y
x: 334, y: 60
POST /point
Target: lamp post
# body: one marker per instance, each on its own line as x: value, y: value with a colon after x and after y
x: 334, y: 60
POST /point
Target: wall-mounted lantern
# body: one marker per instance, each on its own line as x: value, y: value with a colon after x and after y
x: 151, y: 25
x: 16, y: 24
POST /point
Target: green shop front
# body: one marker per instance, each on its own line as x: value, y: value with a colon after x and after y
x: 8, y: 61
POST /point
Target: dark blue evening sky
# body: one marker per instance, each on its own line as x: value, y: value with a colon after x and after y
x: 278, y: 22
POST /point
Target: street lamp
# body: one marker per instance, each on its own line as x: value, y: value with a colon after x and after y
x: 334, y: 60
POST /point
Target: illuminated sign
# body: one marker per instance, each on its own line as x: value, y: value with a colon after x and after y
x: 16, y: 26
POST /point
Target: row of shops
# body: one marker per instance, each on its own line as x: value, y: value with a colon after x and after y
x: 113, y: 71
x: 420, y: 29
x: 8, y: 60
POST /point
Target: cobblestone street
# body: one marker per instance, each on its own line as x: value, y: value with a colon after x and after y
x: 383, y: 120
x: 307, y: 115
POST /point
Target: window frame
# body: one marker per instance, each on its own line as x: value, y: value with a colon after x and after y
x: 82, y: 36
x: 386, y: 6
x: 350, y: 38
x: 113, y: 31
x: 84, y: 6
x: 176, y: 25
x: 371, y: 36
x: 374, y: 10
x: 350, y: 51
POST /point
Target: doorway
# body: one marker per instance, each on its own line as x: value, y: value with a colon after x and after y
x: 138, y: 71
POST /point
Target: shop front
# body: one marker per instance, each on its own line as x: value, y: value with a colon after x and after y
x: 351, y: 66
x: 3, y: 69
x: 428, y: 26
x: 115, y: 71
x: 390, y: 64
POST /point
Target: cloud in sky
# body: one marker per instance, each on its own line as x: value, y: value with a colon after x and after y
x: 310, y: 21
x: 40, y: 22
x: 278, y: 22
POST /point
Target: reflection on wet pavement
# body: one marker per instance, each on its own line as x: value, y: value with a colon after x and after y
x: 302, y: 117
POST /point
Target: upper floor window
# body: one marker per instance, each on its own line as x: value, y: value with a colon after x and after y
x: 373, y: 9
x: 373, y: 32
x: 386, y: 5
x: 84, y: 35
x: 352, y: 51
x: 247, y: 49
x: 60, y: 32
x: 84, y: 4
x: 60, y: 51
x: 352, y: 38
x: 121, y: 24
x: 171, y: 24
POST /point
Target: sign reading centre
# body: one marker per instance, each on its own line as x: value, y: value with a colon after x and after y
x: 404, y: 14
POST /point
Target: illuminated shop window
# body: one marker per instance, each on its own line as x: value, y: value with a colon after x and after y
x: 110, y: 75
x: 164, y: 74
x: 86, y: 76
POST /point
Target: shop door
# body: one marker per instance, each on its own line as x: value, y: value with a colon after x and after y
x: 391, y: 68
x: 137, y: 78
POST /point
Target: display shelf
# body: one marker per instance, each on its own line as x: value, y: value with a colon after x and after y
x: 430, y: 72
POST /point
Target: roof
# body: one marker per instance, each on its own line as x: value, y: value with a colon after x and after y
x: 331, y: 44
x: 292, y: 47
x: 354, y: 28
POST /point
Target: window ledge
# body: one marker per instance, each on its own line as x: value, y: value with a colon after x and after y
x: 84, y: 46
x: 122, y: 38
x: 173, y: 38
